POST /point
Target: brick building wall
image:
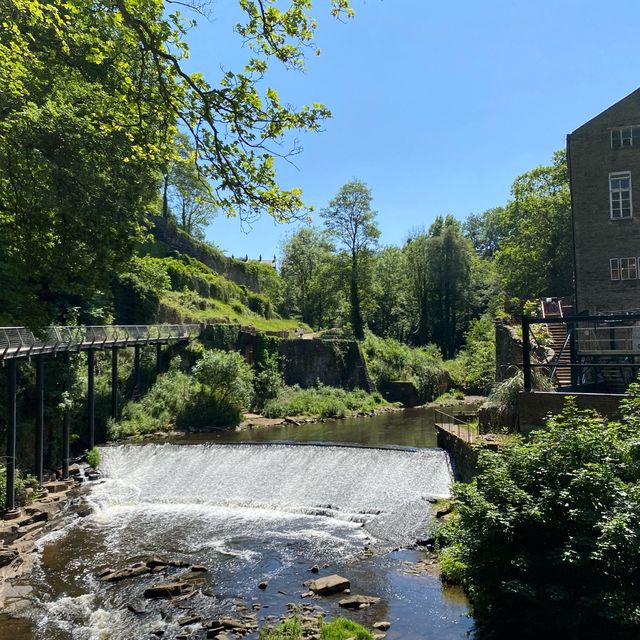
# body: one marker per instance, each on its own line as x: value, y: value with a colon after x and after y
x: 598, y: 237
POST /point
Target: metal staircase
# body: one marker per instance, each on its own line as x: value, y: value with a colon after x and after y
x: 561, y: 362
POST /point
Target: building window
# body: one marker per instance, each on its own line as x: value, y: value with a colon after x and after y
x: 620, y: 195
x: 628, y: 269
x: 625, y: 137
x: 623, y: 268
x: 614, y: 268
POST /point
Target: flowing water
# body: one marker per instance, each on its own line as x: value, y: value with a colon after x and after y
x: 251, y: 512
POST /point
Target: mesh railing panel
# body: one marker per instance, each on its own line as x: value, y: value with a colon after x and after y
x: 20, y: 341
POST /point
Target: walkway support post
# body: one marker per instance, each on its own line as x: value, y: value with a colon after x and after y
x: 526, y: 353
x: 114, y: 382
x: 12, y: 425
x: 91, y: 400
x: 66, y: 418
x: 136, y: 367
x: 39, y: 466
x: 158, y: 359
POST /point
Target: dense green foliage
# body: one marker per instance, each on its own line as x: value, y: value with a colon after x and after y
x: 321, y: 401
x: 213, y: 394
x: 474, y: 368
x: 337, y: 629
x: 389, y: 360
x: 350, y: 220
x: 93, y: 93
x: 306, y: 269
x: 21, y: 485
x: 546, y: 536
x: 93, y: 457
x: 343, y: 629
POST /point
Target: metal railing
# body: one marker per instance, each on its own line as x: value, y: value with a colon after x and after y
x: 455, y: 425
x: 20, y: 342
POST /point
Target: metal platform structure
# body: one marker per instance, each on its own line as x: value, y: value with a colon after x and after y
x: 603, y: 350
x: 20, y: 342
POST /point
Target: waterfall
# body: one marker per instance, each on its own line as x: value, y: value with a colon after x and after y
x: 387, y: 490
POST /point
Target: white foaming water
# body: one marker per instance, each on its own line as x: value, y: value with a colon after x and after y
x: 384, y: 489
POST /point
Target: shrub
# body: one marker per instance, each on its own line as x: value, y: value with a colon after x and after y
x: 546, y: 537
x: 290, y: 629
x: 21, y: 485
x: 474, y: 368
x: 93, y: 458
x: 388, y: 360
x: 342, y: 629
x: 321, y: 401
x: 159, y: 409
x: 225, y: 377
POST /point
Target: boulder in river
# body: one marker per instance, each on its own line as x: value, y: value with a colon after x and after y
x: 168, y: 590
x: 329, y: 584
x: 358, y: 601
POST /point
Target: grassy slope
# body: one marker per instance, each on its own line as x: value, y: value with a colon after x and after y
x: 200, y: 294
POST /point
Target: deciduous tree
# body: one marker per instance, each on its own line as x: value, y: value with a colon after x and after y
x: 351, y: 221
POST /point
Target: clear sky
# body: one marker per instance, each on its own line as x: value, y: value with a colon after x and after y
x: 437, y: 106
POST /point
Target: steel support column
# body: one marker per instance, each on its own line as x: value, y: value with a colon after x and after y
x: 12, y: 425
x: 39, y: 465
x: 114, y: 383
x: 91, y: 400
x: 526, y: 353
x: 66, y: 418
x: 158, y: 359
x: 136, y: 367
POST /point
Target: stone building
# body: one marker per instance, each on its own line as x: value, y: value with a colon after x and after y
x: 604, y: 166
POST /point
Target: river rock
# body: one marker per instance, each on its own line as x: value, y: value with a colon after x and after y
x: 358, y: 601
x: 383, y: 625
x: 168, y: 590
x: 263, y: 585
x: 7, y: 556
x: 137, y: 569
x: 194, y: 618
x: 315, y: 569
x: 329, y: 584
x: 137, y: 607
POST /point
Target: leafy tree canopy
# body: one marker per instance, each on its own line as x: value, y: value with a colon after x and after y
x: 93, y: 92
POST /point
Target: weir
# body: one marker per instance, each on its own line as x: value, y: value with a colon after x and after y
x: 385, y: 490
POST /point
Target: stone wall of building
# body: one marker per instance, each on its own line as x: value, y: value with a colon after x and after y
x: 597, y: 237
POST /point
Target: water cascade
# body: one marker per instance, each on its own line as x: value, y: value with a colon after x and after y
x: 384, y: 489
x: 248, y: 512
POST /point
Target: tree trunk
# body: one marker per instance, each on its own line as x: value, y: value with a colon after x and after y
x: 356, y: 315
x: 165, y: 197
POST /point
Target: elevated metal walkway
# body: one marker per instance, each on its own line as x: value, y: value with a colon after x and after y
x: 20, y: 342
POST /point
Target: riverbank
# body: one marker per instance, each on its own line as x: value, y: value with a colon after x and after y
x: 272, y: 545
x: 20, y: 534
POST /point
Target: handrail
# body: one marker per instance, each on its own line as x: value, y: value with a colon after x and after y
x: 453, y: 424
x: 20, y: 342
x: 557, y: 358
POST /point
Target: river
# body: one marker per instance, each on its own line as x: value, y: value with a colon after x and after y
x: 252, y: 506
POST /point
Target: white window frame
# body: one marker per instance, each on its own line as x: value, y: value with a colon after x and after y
x: 628, y: 269
x: 623, y: 268
x: 614, y: 269
x: 620, y: 134
x: 616, y: 195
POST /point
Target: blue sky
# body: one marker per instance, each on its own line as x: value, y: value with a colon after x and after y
x: 437, y: 106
